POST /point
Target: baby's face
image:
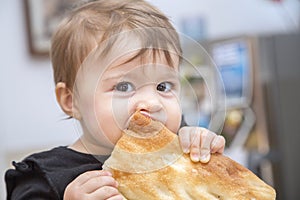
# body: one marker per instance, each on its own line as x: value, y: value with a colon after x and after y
x: 121, y: 90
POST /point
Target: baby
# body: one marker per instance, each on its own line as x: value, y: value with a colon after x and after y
x: 110, y: 59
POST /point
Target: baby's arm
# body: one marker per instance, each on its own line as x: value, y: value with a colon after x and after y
x: 200, y: 143
x: 98, y: 185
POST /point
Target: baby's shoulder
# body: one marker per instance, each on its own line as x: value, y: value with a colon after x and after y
x: 58, y: 159
x: 54, y: 168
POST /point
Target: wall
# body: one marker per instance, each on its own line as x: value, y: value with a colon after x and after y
x: 31, y: 120
x: 280, y: 65
x: 235, y: 17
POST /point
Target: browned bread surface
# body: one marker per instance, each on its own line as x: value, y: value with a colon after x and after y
x: 148, y: 164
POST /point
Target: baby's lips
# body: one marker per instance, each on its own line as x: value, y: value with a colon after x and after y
x: 153, y: 116
x: 145, y: 113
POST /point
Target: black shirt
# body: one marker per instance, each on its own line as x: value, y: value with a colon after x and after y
x: 45, y: 175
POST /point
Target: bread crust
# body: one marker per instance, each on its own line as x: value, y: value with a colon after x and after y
x: 148, y: 163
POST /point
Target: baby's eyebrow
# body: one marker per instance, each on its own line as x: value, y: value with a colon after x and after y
x: 113, y: 76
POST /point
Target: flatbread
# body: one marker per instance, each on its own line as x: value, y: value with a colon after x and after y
x: 148, y: 163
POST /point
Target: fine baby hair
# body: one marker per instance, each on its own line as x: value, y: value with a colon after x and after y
x: 99, y: 24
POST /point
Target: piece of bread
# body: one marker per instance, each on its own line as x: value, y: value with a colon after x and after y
x: 148, y: 163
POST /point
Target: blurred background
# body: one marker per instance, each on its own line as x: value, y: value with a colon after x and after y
x: 244, y: 81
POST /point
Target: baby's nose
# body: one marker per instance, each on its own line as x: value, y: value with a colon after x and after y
x: 148, y: 100
x: 149, y: 105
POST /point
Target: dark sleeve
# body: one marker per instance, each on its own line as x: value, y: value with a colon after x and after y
x: 26, y: 181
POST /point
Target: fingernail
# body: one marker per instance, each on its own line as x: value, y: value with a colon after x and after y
x: 186, y: 150
x: 205, y: 158
x: 194, y: 157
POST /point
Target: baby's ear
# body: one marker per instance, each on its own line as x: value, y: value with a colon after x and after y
x: 64, y: 97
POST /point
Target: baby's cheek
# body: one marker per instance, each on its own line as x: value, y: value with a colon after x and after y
x: 118, y: 135
x: 174, y: 120
x: 173, y: 125
x: 113, y: 134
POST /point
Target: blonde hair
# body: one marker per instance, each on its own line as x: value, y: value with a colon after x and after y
x: 92, y: 23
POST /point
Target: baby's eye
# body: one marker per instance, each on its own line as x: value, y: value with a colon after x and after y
x: 124, y: 87
x: 164, y: 87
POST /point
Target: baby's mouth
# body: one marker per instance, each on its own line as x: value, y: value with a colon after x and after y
x: 154, y: 117
x: 161, y: 117
x: 145, y: 113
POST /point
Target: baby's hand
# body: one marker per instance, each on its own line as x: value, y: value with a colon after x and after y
x: 200, y: 143
x: 90, y: 185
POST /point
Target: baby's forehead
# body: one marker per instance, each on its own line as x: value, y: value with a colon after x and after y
x: 134, y: 45
x: 140, y: 74
x: 129, y: 63
x: 147, y: 58
x: 140, y: 68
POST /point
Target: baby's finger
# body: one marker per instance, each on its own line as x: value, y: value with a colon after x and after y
x: 218, y: 144
x: 184, y: 139
x: 195, y: 144
x: 117, y: 197
x: 97, y: 182
x: 81, y: 179
x: 105, y: 192
x: 205, y: 144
